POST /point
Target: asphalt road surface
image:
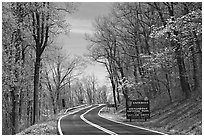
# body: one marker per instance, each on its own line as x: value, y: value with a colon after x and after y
x: 88, y: 122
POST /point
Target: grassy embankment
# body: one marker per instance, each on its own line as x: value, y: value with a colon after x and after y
x: 181, y: 117
x: 48, y: 127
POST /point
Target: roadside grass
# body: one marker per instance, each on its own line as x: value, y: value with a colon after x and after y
x: 48, y: 127
x: 178, y: 118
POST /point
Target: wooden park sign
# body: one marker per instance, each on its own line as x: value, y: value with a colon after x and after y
x: 138, y: 109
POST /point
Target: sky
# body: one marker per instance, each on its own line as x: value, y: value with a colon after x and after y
x: 81, y: 22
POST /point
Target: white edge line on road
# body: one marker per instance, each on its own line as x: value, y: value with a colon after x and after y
x: 74, y: 108
x: 59, y: 128
x: 95, y: 125
x: 129, y: 124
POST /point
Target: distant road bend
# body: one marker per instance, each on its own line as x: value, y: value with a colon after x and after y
x: 87, y: 121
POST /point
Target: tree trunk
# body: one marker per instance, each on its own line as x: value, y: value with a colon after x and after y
x: 28, y: 113
x: 118, y: 94
x: 198, y: 64
x: 14, y: 115
x: 195, y: 69
x: 135, y: 73
x: 36, y: 90
x: 125, y: 93
x: 54, y: 108
x: 182, y: 72
x: 168, y: 87
x: 114, y: 96
x: 20, y: 105
x: 53, y: 104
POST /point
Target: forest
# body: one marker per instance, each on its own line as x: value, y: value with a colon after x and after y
x: 38, y: 78
x: 149, y: 49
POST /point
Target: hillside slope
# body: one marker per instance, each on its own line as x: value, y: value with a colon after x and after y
x: 181, y: 117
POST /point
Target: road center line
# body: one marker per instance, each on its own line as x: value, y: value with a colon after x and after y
x: 58, y: 124
x: 95, y: 125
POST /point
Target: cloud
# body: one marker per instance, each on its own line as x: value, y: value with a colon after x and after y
x: 90, y: 10
x: 81, y: 21
x: 80, y: 26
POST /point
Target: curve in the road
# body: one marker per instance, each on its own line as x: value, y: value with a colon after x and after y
x: 95, y: 125
x: 72, y: 124
x: 115, y: 127
x: 58, y: 124
x: 88, y: 121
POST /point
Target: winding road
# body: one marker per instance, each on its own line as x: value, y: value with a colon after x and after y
x: 87, y: 121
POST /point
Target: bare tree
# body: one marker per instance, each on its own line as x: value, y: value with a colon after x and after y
x: 58, y: 72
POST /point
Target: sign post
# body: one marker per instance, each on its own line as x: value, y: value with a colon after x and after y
x: 138, y: 109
